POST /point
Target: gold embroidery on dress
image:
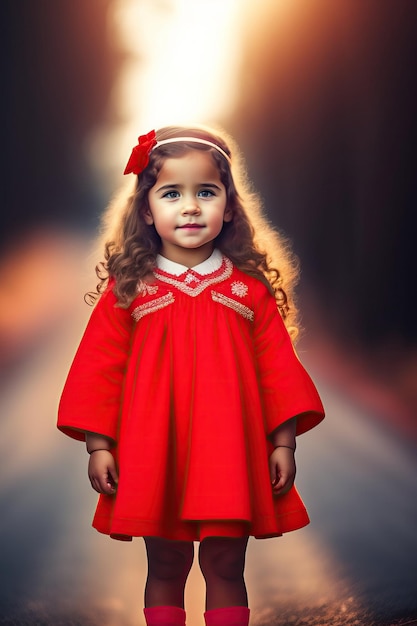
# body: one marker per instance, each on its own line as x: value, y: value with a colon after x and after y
x: 152, y: 305
x: 190, y: 278
x: 202, y: 284
x: 144, y: 288
x: 239, y: 289
x: 240, y: 308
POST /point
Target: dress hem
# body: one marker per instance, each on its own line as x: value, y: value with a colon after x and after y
x: 197, y: 531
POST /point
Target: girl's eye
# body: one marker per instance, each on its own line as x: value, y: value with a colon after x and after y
x: 171, y: 194
x: 206, y: 193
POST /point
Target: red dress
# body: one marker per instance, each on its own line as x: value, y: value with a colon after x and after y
x: 188, y: 382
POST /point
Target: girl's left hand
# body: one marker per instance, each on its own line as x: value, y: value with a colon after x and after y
x: 282, y: 470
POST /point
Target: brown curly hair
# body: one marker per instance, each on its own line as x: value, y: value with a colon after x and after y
x: 249, y: 240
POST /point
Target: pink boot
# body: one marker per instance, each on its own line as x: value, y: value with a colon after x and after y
x: 229, y: 616
x: 164, y: 616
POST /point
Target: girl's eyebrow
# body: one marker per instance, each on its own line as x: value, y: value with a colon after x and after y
x: 175, y: 186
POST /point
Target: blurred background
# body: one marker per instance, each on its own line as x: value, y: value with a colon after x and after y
x: 321, y: 99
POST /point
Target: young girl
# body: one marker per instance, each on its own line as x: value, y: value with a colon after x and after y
x: 185, y: 386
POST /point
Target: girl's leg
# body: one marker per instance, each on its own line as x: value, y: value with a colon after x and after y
x: 169, y: 563
x: 222, y: 562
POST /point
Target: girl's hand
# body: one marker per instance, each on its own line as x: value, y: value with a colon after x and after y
x: 102, y: 472
x: 282, y: 469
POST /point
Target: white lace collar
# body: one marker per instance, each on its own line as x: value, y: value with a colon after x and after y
x: 208, y: 266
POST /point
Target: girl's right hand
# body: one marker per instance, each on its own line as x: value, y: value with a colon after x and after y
x: 102, y: 472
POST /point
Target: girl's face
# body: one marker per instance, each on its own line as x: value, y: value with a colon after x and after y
x: 187, y: 205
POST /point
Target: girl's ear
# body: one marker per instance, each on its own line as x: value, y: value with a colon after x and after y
x: 148, y: 217
x: 228, y: 215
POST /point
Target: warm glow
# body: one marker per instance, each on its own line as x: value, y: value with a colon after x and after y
x: 184, y: 57
x: 182, y: 63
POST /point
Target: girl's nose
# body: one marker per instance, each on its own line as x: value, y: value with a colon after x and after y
x: 190, y: 207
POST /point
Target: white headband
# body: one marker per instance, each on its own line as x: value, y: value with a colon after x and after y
x: 193, y: 140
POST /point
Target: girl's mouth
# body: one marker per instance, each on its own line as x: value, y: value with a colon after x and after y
x: 191, y: 226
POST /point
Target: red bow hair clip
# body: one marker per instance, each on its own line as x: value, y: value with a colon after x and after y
x: 139, y: 158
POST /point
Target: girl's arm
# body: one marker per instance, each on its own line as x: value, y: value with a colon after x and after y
x: 95, y: 441
x: 284, y: 435
x: 282, y: 462
x: 102, y: 470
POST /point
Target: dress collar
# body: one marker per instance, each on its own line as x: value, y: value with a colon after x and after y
x: 210, y: 265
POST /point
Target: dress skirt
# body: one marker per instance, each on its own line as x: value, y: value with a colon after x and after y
x: 188, y: 383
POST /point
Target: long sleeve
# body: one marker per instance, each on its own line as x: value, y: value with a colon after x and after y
x: 287, y: 389
x: 91, y: 397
